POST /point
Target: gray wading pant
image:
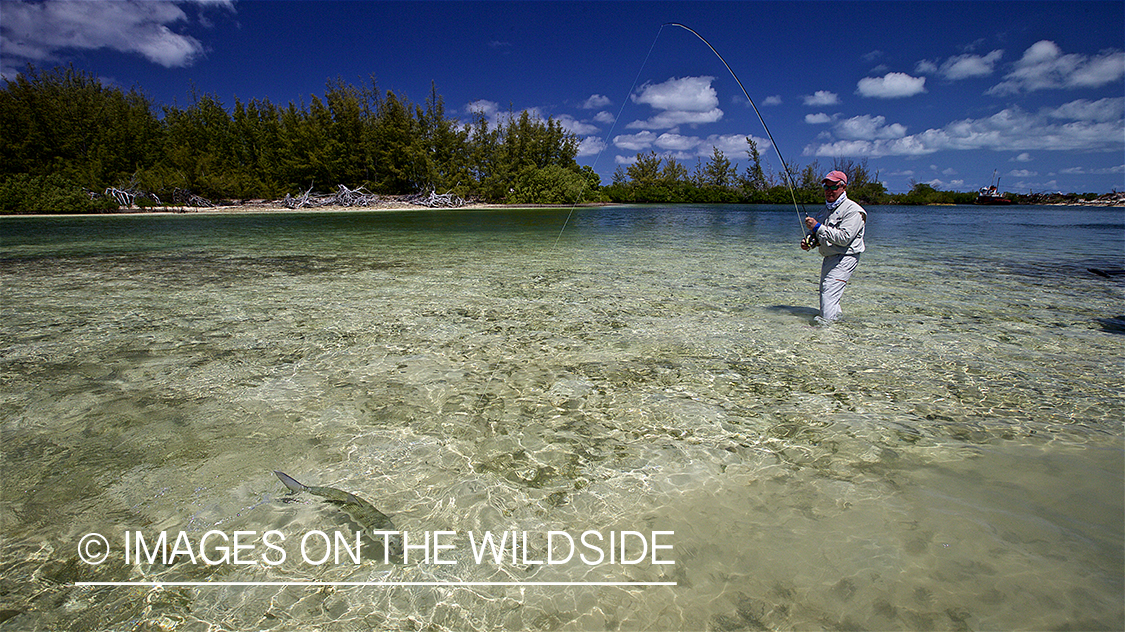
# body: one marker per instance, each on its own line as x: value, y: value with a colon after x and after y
x: 835, y: 271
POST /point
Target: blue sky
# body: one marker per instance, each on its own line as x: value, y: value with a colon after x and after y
x: 944, y: 93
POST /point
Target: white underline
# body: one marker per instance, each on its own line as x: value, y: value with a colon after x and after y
x: 159, y: 583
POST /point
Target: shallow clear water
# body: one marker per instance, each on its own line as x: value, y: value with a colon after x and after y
x: 950, y: 456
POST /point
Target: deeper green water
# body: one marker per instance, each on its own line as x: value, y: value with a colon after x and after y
x: 950, y: 456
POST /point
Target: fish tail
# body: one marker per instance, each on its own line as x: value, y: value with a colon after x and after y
x: 291, y: 482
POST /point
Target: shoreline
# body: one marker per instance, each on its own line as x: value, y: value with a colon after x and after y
x: 272, y: 208
x: 393, y: 205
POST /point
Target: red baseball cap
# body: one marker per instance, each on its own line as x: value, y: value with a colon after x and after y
x: 836, y: 176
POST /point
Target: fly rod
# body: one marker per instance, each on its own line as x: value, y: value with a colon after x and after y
x: 784, y: 165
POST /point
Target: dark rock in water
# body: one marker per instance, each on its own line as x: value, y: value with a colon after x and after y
x: 1107, y: 272
x: 1113, y: 325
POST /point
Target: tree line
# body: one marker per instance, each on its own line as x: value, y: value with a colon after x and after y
x: 654, y: 178
x: 67, y: 135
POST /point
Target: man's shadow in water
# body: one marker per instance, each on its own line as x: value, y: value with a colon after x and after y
x: 804, y: 312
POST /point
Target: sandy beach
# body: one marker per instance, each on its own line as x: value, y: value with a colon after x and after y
x: 278, y: 207
x: 259, y: 206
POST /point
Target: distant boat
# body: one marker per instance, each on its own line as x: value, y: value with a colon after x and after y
x: 991, y: 194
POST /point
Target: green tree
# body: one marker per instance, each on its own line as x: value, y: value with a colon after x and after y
x: 346, y: 151
x: 524, y: 143
x: 674, y: 173
x: 552, y: 184
x: 863, y: 186
x: 65, y: 122
x: 718, y: 172
x: 23, y: 193
x: 483, y: 144
x: 445, y: 149
x: 645, y: 170
x: 256, y: 134
x: 199, y: 147
x: 811, y: 177
x: 398, y: 149
x: 920, y: 194
x: 754, y: 178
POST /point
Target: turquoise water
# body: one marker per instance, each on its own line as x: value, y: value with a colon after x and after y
x: 950, y: 456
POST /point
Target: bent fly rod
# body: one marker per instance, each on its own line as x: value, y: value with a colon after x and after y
x: 784, y: 165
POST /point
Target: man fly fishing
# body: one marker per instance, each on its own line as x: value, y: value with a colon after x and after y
x: 838, y: 233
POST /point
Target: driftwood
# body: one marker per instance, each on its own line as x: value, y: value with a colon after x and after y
x: 129, y: 197
x: 121, y: 196
x: 362, y: 198
x: 433, y: 200
x: 357, y: 197
x: 298, y: 202
x: 187, y: 198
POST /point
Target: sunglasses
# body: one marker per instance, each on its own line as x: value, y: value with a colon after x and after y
x: 832, y: 187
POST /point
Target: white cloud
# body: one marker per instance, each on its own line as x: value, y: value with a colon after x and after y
x: 966, y: 66
x: 634, y: 142
x: 891, y: 86
x: 962, y: 66
x: 1079, y: 125
x: 772, y: 100
x: 1024, y: 157
x: 498, y: 117
x: 733, y: 145
x: 690, y: 94
x: 591, y: 146
x: 818, y: 119
x: 676, y: 142
x: 821, y: 97
x: 672, y: 118
x: 604, y: 117
x: 1119, y: 169
x: 1022, y: 173
x: 926, y: 67
x: 1105, y: 110
x: 596, y: 101
x: 868, y: 127
x: 574, y: 126
x: 683, y: 147
x: 37, y: 32
x: 484, y: 106
x: 1044, y: 66
x: 681, y: 101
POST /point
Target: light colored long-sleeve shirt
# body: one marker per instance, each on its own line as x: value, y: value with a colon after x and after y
x: 841, y: 229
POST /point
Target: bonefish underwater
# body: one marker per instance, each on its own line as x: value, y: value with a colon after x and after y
x: 590, y: 547
x: 359, y: 509
x: 373, y: 521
